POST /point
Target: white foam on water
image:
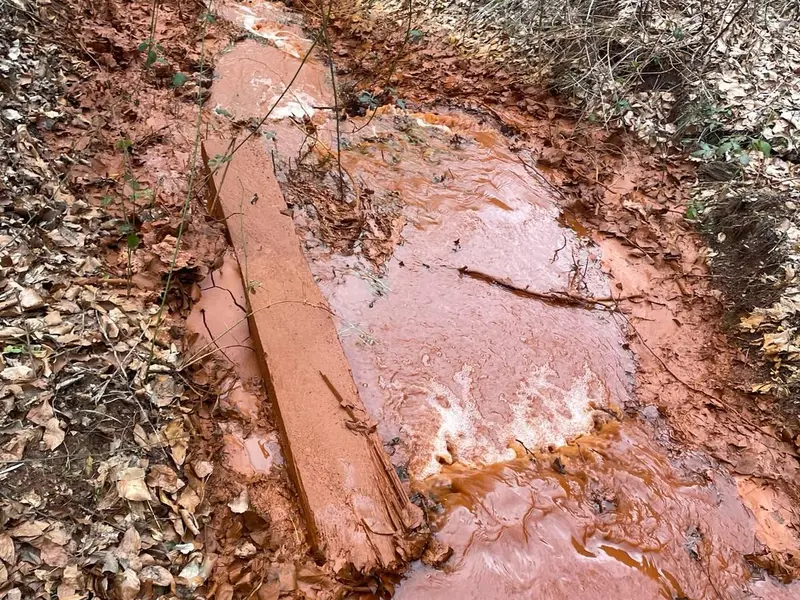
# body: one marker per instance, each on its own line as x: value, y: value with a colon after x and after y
x: 297, y: 104
x: 543, y: 413
x: 281, y: 39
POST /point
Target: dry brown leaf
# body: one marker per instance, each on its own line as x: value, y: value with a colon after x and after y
x: 164, y: 390
x: 131, y: 485
x: 167, y: 501
x: 53, y: 434
x: 287, y: 575
x: 245, y: 550
x: 140, y: 437
x: 189, y: 499
x: 108, y: 500
x: 3, y: 574
x: 190, y: 521
x: 241, y: 503
x: 41, y: 414
x: 7, y: 552
x: 269, y: 590
x: 161, y: 476
x: 165, y: 250
x: 203, y: 468
x: 128, y: 585
x: 29, y: 529
x: 58, y: 534
x: 53, y: 554
x: 194, y: 574
x: 15, y: 447
x: 68, y: 592
x: 751, y: 322
x: 131, y: 543
x: 177, y: 441
x: 72, y: 576
x: 30, y: 299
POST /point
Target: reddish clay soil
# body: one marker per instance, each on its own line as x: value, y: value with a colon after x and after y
x: 527, y: 315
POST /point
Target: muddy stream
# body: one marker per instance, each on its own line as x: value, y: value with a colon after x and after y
x: 480, y: 331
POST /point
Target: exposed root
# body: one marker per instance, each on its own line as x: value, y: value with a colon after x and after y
x: 559, y: 298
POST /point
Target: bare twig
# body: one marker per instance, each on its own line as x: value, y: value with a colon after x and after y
x: 562, y: 298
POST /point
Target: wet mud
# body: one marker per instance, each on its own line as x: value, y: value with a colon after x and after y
x: 218, y: 330
x: 482, y: 325
x: 606, y: 516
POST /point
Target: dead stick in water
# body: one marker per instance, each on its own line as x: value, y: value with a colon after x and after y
x: 553, y: 297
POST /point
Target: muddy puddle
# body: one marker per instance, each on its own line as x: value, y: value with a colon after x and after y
x: 481, y: 333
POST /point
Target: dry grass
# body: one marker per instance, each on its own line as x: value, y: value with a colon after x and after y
x: 603, y: 54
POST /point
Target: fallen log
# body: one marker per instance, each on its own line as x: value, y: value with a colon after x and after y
x: 358, y: 516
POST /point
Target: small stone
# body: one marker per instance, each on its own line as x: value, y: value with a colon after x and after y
x: 651, y: 413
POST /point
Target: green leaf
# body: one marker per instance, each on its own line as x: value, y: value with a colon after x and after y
x: 724, y: 148
x: 106, y: 200
x: 221, y: 111
x: 705, y: 151
x: 415, y: 35
x: 401, y: 103
x: 367, y: 99
x: 270, y: 135
x: 763, y: 147
x: 677, y: 33
x: 151, y: 58
x: 178, y: 80
x: 126, y: 229
x: 744, y: 159
x: 133, y: 241
x: 13, y: 349
x: 143, y: 46
x: 123, y: 145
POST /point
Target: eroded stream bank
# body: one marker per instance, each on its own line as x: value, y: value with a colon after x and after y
x: 487, y: 340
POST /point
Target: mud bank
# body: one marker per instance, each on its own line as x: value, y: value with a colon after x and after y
x: 486, y: 333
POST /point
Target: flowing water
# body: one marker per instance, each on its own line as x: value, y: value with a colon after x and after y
x: 499, y: 396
